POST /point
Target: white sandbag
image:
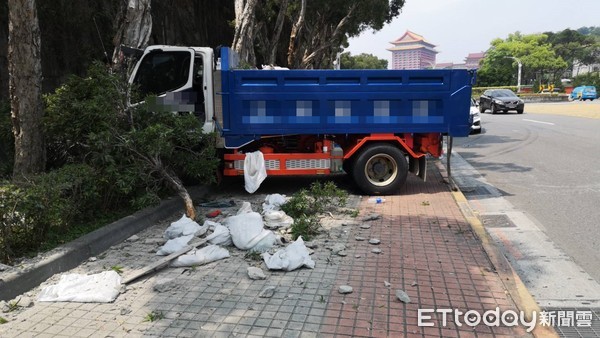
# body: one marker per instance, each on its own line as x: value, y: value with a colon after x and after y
x: 290, y: 258
x: 183, y: 227
x: 220, y: 236
x: 245, y: 208
x: 202, y: 256
x: 247, y: 232
x: 210, y: 225
x: 99, y: 288
x: 174, y: 245
x: 277, y: 220
x: 274, y: 202
x: 255, y: 171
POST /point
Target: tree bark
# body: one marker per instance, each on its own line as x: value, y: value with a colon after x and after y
x: 175, y: 183
x: 25, y: 87
x: 135, y: 27
x: 243, y: 40
x: 277, y: 33
x: 294, y: 36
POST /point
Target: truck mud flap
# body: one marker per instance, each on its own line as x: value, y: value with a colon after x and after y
x: 418, y: 166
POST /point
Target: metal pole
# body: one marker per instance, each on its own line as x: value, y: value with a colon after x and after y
x: 519, y: 76
x: 518, y: 71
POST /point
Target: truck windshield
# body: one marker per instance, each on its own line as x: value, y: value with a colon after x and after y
x: 160, y: 72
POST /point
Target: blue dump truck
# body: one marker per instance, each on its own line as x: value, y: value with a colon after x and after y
x: 375, y: 125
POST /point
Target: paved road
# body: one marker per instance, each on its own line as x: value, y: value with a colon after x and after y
x: 546, y: 163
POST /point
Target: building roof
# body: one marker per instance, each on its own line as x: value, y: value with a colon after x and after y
x: 410, y: 38
x: 444, y: 65
x: 411, y: 47
x: 480, y: 55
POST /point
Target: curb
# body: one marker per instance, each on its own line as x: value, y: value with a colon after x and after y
x: 70, y: 255
x: 510, y: 279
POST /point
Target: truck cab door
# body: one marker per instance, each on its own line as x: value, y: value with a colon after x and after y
x: 177, y: 77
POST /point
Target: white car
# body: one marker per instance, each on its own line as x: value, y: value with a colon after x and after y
x: 475, y: 118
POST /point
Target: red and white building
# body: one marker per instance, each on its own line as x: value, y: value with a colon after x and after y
x: 412, y: 51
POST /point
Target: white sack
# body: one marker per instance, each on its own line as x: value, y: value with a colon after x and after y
x: 277, y: 219
x: 174, y: 245
x: 183, y: 227
x: 246, y: 208
x: 290, y: 258
x: 274, y: 202
x: 247, y: 232
x: 99, y: 288
x: 202, y: 256
x: 220, y: 236
x: 255, y: 171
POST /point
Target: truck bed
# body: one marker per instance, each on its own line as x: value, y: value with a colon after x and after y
x: 257, y: 103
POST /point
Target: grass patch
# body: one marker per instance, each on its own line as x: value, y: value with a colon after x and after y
x: 154, y: 316
x: 3, y: 320
x: 253, y: 255
x: 117, y: 268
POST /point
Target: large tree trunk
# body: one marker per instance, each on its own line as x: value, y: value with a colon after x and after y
x: 295, y: 36
x: 25, y: 87
x: 135, y: 26
x: 243, y: 40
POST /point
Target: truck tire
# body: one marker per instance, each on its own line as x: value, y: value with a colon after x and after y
x: 380, y: 168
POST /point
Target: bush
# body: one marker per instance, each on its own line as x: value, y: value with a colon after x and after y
x: 87, y: 121
x: 589, y: 79
x: 48, y: 202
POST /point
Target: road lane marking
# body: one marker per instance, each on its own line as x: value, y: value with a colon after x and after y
x: 542, y: 122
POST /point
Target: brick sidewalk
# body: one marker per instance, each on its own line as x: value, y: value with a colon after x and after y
x: 428, y: 250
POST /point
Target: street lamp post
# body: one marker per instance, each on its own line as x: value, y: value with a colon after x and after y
x: 518, y: 72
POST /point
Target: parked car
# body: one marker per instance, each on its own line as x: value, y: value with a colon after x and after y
x: 503, y: 100
x: 583, y: 93
x: 475, y: 118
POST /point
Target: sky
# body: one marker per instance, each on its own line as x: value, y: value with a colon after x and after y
x: 460, y: 27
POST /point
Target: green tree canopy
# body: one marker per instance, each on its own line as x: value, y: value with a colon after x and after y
x: 574, y: 46
x: 362, y: 61
x: 540, y: 62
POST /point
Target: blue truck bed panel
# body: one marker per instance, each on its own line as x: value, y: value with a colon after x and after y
x: 274, y: 102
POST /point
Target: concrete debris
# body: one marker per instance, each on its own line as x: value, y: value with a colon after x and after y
x: 414, y: 283
x: 93, y: 259
x: 371, y: 217
x: 345, y: 289
x: 165, y: 285
x: 4, y: 306
x: 402, y: 296
x: 365, y: 226
x: 267, y: 292
x: 24, y: 302
x: 376, y: 251
x: 125, y: 311
x: 360, y: 239
x: 357, y: 256
x: 374, y: 241
x: 342, y: 253
x: 4, y: 267
x: 133, y: 238
x: 255, y: 273
x: 387, y: 284
x: 336, y: 248
x: 311, y: 245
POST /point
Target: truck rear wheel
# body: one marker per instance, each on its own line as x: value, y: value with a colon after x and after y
x: 380, y: 169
